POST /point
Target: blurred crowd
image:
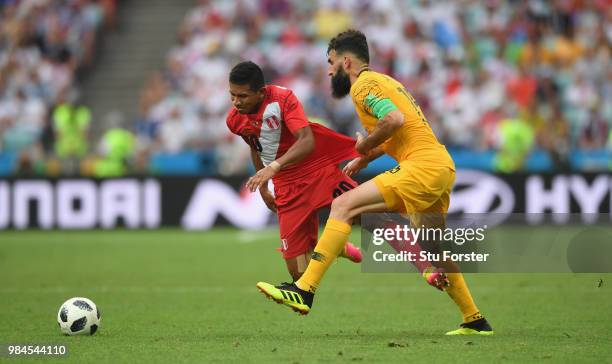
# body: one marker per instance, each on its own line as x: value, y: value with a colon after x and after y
x: 502, y: 75
x: 43, y: 46
x: 492, y: 74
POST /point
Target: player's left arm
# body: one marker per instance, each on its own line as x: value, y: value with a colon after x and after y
x: 296, y: 121
x: 372, y: 98
x: 386, y: 126
x: 303, y: 146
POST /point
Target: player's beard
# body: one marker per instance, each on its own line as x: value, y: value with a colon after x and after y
x: 340, y: 84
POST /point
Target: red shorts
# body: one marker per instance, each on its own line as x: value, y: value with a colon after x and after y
x: 298, y: 203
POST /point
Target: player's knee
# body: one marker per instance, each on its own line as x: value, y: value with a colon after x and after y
x: 341, y: 208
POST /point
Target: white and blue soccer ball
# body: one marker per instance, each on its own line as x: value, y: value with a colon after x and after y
x: 78, y: 316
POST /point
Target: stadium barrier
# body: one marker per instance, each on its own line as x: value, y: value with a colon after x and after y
x: 202, y: 203
x: 190, y: 163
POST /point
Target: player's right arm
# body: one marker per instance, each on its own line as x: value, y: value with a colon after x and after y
x: 386, y: 126
x: 265, y: 193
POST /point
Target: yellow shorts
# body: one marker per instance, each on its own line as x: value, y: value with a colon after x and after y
x: 413, y: 188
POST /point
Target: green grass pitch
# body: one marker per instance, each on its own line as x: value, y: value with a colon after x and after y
x: 172, y: 296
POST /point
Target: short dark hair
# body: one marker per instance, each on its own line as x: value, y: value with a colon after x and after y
x: 247, y: 73
x: 352, y: 41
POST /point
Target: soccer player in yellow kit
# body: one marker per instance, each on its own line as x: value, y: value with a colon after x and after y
x: 419, y: 186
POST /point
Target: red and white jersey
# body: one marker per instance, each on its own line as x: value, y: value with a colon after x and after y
x: 270, y: 131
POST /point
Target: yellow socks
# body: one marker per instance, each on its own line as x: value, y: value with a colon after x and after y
x: 460, y: 293
x: 330, y: 245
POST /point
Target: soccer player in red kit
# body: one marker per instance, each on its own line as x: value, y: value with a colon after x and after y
x: 300, y: 157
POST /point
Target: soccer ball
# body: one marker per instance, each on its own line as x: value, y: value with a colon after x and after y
x: 78, y: 316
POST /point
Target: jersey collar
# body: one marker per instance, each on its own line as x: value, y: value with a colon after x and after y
x: 363, y: 69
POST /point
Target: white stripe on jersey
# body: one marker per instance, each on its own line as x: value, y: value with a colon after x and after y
x: 270, y: 134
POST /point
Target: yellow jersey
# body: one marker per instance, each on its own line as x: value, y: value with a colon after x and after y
x: 373, y: 92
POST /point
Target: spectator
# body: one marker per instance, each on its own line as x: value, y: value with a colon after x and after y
x: 470, y: 65
x: 462, y: 64
x: 42, y: 44
x: 516, y: 141
x: 71, y: 123
x: 117, y: 148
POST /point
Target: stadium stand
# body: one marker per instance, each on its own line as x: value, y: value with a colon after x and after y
x: 43, y: 44
x: 506, y: 85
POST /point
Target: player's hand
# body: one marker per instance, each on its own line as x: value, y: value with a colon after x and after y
x: 260, y: 178
x: 359, y: 146
x: 355, y: 166
x: 268, y: 199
